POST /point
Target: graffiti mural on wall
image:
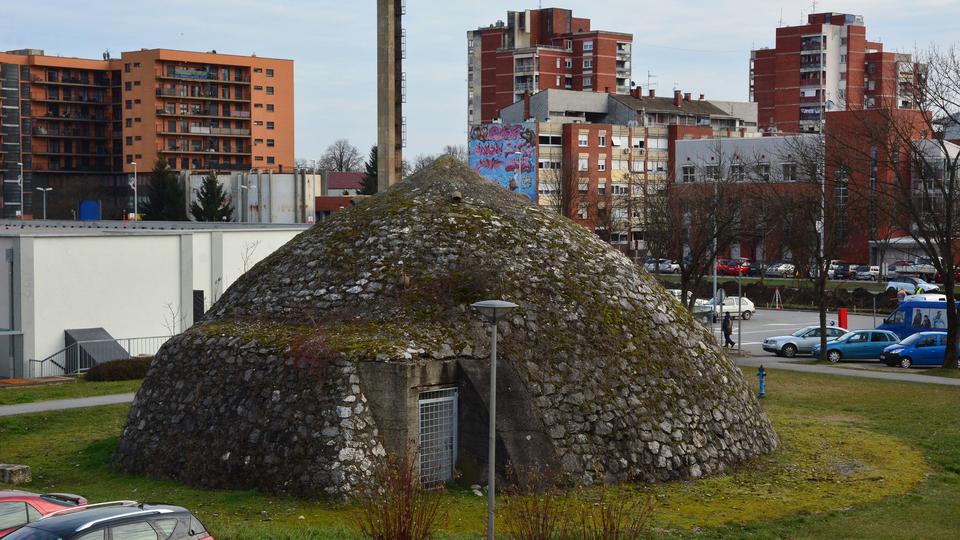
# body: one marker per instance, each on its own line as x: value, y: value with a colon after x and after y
x: 493, y: 155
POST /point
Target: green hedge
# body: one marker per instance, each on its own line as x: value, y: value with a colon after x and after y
x: 120, y: 370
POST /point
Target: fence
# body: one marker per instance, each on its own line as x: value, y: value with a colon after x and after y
x: 80, y: 356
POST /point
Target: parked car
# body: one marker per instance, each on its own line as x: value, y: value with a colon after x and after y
x: 867, y: 273
x: 121, y: 520
x: 910, y: 284
x: 857, y: 345
x: 734, y: 305
x: 801, y: 341
x: 772, y: 269
x: 756, y: 268
x: 899, y: 267
x: 786, y: 270
x: 669, y: 267
x: 18, y: 508
x: 920, y: 349
x: 733, y: 267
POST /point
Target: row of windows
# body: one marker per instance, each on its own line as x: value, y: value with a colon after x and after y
x: 737, y: 172
x: 659, y: 143
x: 269, y: 89
x: 260, y: 70
x: 583, y: 164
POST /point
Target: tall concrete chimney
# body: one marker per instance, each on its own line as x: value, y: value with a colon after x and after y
x: 389, y: 93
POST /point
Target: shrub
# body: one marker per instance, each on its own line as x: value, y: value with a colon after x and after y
x: 120, y: 370
x: 621, y: 516
x: 392, y: 505
x: 532, y: 506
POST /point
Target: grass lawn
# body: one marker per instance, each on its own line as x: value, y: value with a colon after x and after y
x: 77, y: 389
x: 872, y: 286
x: 859, y: 459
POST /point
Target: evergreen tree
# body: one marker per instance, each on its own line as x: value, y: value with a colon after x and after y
x: 212, y: 203
x: 166, y: 197
x: 370, y: 178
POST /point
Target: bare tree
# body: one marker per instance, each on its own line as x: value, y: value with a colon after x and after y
x: 554, y: 192
x: 918, y: 177
x: 421, y: 162
x: 249, y: 248
x: 341, y: 156
x: 458, y: 151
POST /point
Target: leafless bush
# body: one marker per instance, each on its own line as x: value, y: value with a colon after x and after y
x: 393, y: 505
x: 614, y: 516
x: 532, y: 508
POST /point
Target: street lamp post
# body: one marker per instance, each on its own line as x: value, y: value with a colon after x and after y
x: 44, y: 190
x: 492, y: 311
x: 133, y: 184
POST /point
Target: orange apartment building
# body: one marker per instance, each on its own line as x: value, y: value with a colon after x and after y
x: 78, y: 125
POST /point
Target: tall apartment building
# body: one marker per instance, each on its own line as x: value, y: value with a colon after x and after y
x: 77, y: 125
x: 828, y: 60
x: 541, y: 49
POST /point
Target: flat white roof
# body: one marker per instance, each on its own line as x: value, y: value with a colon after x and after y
x: 16, y: 227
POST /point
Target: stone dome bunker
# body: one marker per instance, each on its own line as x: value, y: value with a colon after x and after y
x: 355, y: 339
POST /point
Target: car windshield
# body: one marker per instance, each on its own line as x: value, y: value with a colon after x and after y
x: 910, y: 340
x: 29, y: 533
x: 846, y: 336
x: 800, y: 332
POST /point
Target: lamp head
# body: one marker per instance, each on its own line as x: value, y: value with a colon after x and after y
x: 493, y: 311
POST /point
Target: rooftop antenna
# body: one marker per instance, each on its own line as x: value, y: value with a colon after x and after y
x: 651, y: 79
x: 780, y: 24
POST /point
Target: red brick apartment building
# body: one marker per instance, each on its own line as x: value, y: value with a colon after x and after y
x: 828, y: 60
x: 77, y: 125
x: 541, y: 49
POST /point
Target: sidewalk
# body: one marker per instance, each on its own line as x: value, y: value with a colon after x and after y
x: 63, y: 404
x: 773, y: 363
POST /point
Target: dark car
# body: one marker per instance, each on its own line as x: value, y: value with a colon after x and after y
x: 844, y: 271
x: 121, y: 520
x: 20, y: 507
x: 756, y: 268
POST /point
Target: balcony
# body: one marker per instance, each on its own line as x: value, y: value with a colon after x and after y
x: 210, y: 132
x: 234, y: 115
x: 64, y: 117
x: 240, y: 152
x: 69, y: 154
x: 201, y: 76
x: 811, y: 45
x: 74, y: 81
x: 525, y: 68
x: 64, y: 133
x: 525, y: 87
x: 173, y: 93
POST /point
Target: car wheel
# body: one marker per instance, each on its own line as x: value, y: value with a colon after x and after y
x: 905, y: 362
x: 789, y: 350
x: 833, y: 356
x: 746, y: 315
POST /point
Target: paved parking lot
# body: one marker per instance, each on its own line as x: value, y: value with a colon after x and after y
x: 767, y: 323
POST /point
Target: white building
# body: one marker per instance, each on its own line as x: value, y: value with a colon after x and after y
x: 132, y: 280
x: 263, y: 196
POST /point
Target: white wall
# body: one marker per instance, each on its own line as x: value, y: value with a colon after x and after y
x: 202, y: 254
x: 257, y: 247
x: 121, y: 283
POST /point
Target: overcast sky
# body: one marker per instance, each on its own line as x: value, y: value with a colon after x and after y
x: 702, y: 46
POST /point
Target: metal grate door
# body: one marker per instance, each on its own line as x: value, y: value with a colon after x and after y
x: 438, y: 436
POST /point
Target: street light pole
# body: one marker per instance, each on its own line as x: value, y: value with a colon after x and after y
x: 492, y: 311
x: 44, y: 190
x: 133, y: 184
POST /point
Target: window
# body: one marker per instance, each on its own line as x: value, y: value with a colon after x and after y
x: 258, y: 122
x: 136, y: 65
x: 136, y: 83
x: 789, y: 172
x: 558, y: 81
x: 126, y: 67
x: 269, y: 107
x: 136, y: 101
x: 129, y: 141
x: 588, y: 82
x: 548, y: 164
x: 583, y: 165
x: 258, y: 158
x: 138, y: 120
x: 128, y: 104
x: 12, y: 514
x: 95, y: 535
x: 269, y: 90
x: 588, y: 63
x: 166, y: 526
x: 736, y: 172
x: 129, y: 158
x: 871, y: 85
x: 138, y: 156
x: 582, y: 212
x: 843, y: 59
x: 134, y: 531
x: 270, y: 143
x: 689, y: 173
x: 763, y: 171
x: 601, y: 164
x: 601, y: 188
x: 257, y: 87
x: 129, y: 122
x: 619, y: 189
x: 269, y: 125
x: 583, y: 185
x: 270, y: 159
x: 568, y: 63
x: 137, y: 138
x: 583, y: 139
x: 588, y: 45
x: 128, y: 86
x: 602, y: 139
x: 269, y: 72
x: 558, y: 63
x: 258, y: 70
x: 258, y: 105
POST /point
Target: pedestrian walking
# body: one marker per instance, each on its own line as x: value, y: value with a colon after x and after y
x: 727, y: 328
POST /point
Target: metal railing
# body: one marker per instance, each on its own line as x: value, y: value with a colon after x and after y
x: 80, y: 356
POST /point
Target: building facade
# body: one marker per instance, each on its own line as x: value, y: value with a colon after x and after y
x: 541, y: 49
x: 829, y: 64
x: 78, y: 125
x: 599, y: 159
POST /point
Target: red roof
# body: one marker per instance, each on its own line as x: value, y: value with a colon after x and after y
x: 332, y: 204
x: 344, y: 180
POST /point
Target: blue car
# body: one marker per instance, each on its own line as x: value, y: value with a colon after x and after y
x: 858, y: 345
x: 920, y: 349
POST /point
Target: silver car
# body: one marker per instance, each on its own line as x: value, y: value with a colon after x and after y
x: 801, y: 341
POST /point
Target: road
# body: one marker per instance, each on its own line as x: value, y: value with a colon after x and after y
x: 767, y: 323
